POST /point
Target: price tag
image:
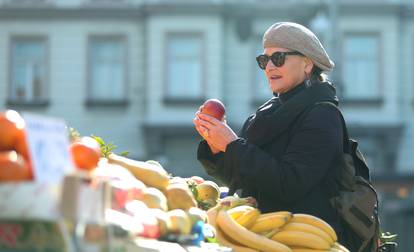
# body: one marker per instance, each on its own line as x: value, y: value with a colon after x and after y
x: 48, y: 147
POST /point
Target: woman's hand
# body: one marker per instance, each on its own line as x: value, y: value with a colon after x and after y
x: 217, y: 133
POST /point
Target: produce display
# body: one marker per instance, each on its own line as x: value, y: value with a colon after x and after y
x: 147, y: 201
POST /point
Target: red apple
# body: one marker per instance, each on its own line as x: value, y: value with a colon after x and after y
x: 214, y: 108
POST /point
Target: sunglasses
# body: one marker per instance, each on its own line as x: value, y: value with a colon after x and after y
x: 277, y: 58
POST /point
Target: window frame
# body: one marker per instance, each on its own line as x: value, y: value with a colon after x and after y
x: 375, y: 100
x: 189, y: 100
x: 411, y: 76
x: 42, y: 101
x: 103, y: 102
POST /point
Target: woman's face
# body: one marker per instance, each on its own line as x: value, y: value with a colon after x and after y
x: 290, y: 74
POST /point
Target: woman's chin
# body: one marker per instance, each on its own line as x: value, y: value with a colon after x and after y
x: 276, y: 88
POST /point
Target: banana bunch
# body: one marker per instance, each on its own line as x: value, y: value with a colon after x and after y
x: 230, y: 233
x: 301, y: 232
x: 304, y: 232
x: 244, y: 228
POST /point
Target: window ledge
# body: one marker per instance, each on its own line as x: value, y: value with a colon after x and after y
x: 27, y: 104
x: 183, y: 101
x: 374, y: 102
x: 107, y: 103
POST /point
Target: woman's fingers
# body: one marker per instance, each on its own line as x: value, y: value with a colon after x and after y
x: 198, y: 122
x: 209, y: 119
x: 206, y: 124
x: 203, y: 131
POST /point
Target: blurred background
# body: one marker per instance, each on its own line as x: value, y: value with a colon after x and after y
x: 135, y: 71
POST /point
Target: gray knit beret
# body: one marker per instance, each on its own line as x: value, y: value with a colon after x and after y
x: 296, y: 37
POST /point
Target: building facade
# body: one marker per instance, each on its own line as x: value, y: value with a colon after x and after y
x: 135, y: 71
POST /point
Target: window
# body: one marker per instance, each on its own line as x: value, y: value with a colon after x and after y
x: 28, y: 70
x: 184, y: 67
x: 261, y: 88
x: 107, y: 69
x: 361, y: 66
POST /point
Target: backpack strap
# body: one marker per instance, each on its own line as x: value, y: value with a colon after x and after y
x: 344, y: 128
x: 351, y: 147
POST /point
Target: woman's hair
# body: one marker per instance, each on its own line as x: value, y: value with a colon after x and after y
x: 318, y: 75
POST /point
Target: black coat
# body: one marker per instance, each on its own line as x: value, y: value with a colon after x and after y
x: 284, y: 154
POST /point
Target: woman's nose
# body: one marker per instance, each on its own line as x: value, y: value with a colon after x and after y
x: 270, y: 65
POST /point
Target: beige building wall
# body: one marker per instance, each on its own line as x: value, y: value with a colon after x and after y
x: 67, y: 50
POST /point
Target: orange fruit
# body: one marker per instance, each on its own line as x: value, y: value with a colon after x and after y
x: 11, y: 129
x: 13, y: 167
x: 22, y: 146
x: 85, y: 153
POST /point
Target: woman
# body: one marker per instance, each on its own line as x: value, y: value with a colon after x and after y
x: 285, y: 150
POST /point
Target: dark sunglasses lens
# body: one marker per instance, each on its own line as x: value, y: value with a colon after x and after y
x: 278, y: 59
x: 262, y: 61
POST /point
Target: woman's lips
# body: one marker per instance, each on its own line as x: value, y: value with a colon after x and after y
x: 275, y: 77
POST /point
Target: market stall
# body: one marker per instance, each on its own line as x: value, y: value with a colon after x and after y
x: 61, y: 193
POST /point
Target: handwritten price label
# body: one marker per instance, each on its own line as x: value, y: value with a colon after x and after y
x: 48, y: 144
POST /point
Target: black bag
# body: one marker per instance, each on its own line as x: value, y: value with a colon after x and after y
x: 355, y: 198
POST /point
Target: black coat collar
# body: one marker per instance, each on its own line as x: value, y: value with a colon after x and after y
x: 284, y: 97
x: 275, y: 116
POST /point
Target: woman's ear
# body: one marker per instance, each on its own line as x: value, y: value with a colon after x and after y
x: 308, y: 65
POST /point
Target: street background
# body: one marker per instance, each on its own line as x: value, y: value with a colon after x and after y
x: 134, y: 72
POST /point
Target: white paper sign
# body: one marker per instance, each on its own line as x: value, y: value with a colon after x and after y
x: 48, y: 146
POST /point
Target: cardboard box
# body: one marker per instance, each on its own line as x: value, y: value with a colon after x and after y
x: 83, y: 201
x: 145, y: 245
x: 29, y: 200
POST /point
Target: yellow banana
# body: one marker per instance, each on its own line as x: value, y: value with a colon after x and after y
x: 233, y: 201
x: 298, y: 226
x: 246, y: 237
x: 301, y: 239
x: 269, y: 222
x: 287, y: 214
x: 269, y: 233
x: 223, y: 241
x: 248, y: 218
x: 340, y: 247
x: 238, y: 211
x: 317, y: 222
x: 294, y: 249
x: 212, y: 215
x: 220, y: 236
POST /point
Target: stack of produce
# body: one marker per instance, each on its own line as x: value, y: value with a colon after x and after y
x: 245, y: 229
x: 157, y: 204
x: 146, y: 192
x: 149, y: 202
